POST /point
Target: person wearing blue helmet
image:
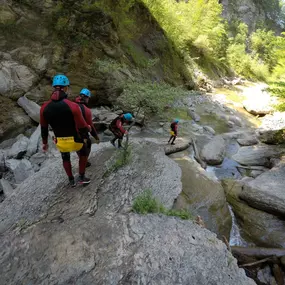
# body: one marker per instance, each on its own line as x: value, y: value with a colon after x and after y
x: 69, y: 127
x: 116, y: 127
x: 82, y: 101
x: 173, y: 131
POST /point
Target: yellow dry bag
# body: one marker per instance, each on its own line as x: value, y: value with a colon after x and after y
x: 67, y: 144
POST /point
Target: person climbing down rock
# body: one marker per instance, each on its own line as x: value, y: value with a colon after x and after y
x: 116, y: 127
x: 82, y: 100
x: 70, y: 128
x: 173, y: 131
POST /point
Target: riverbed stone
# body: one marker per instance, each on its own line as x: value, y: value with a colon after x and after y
x: 266, y: 192
x: 256, y: 226
x: 213, y: 152
x: 257, y: 155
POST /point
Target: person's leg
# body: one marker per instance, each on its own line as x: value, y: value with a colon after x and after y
x: 67, y: 167
x: 120, y: 143
x: 88, y: 163
x: 170, y: 139
x: 83, y: 157
x: 174, y: 138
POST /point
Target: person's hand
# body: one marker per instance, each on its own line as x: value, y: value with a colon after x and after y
x: 126, y: 133
x: 45, y: 147
x: 89, y: 127
x: 85, y: 141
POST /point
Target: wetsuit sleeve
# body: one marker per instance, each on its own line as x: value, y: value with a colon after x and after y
x: 176, y: 129
x: 44, y: 125
x: 80, y: 123
x: 88, y: 115
x: 119, y: 125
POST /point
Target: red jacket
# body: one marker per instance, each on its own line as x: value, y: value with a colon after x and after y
x: 117, y: 124
x: 87, y: 115
x: 174, y: 128
x: 63, y: 116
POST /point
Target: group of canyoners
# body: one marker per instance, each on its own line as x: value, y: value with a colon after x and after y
x: 72, y: 123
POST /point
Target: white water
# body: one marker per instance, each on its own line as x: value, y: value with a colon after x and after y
x: 235, y: 237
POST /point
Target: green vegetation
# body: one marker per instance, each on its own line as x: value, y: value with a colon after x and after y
x: 152, y: 97
x: 146, y: 203
x: 196, y: 28
x: 121, y: 158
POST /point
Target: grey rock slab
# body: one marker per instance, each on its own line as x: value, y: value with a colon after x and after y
x: 194, y: 116
x: 30, y: 107
x: 19, y: 148
x: 266, y: 192
x: 132, y: 249
x: 2, y: 160
x: 213, y: 152
x: 257, y: 226
x: 15, y: 79
x: 248, y: 141
x: 209, y: 130
x: 38, y: 158
x: 6, y: 187
x: 115, y: 246
x: 205, y: 197
x: 236, y: 120
x: 258, y: 154
x: 34, y: 142
x: 21, y: 169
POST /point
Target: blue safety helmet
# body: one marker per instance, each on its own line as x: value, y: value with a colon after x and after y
x: 85, y: 92
x: 176, y: 121
x: 128, y: 116
x: 60, y: 80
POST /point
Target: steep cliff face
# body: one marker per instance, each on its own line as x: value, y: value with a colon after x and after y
x: 255, y: 13
x: 95, y: 44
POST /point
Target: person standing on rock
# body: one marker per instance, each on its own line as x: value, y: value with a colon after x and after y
x: 116, y: 127
x: 173, y: 131
x: 82, y: 101
x: 69, y: 127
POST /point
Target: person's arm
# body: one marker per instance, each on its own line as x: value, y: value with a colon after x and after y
x: 119, y: 125
x: 81, y: 125
x: 44, y: 127
x: 176, y: 129
x: 89, y: 121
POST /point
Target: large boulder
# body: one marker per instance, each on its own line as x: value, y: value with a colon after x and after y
x: 258, y: 154
x: 115, y: 246
x: 13, y: 119
x: 259, y: 227
x: 213, y: 152
x: 258, y: 102
x: 2, y: 160
x: 205, y: 197
x: 21, y: 169
x: 193, y: 115
x: 30, y: 107
x: 247, y: 141
x: 19, y: 148
x: 15, y: 79
x: 6, y: 187
x: 257, y: 108
x: 34, y: 142
x: 272, y: 136
x: 266, y: 192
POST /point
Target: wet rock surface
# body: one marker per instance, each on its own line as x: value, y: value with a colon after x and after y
x: 112, y: 245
